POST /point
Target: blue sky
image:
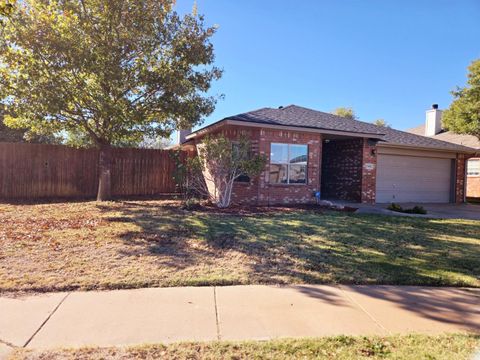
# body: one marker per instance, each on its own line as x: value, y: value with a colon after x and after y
x: 386, y: 59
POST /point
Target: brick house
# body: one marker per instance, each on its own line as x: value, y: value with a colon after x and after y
x: 433, y: 128
x: 310, y: 151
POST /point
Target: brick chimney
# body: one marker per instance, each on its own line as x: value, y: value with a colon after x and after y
x: 182, y: 134
x: 433, y: 122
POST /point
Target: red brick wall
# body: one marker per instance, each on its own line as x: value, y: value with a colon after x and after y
x: 243, y: 192
x: 460, y: 178
x: 259, y: 191
x: 349, y: 166
x: 349, y: 170
x: 369, y: 171
x: 473, y: 186
x: 342, y: 170
x: 295, y: 193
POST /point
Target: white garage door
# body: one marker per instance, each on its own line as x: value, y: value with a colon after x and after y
x: 413, y: 179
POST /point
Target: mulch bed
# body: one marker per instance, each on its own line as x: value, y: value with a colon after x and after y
x: 248, y: 210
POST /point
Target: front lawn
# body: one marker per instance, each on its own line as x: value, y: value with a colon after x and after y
x: 84, y: 245
x: 412, y: 347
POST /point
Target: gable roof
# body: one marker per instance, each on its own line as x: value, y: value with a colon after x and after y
x: 300, y: 117
x: 449, y: 136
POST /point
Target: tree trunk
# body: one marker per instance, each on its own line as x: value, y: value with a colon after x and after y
x: 104, y: 180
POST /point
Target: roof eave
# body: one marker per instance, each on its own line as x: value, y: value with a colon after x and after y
x: 282, y: 127
x: 430, y: 148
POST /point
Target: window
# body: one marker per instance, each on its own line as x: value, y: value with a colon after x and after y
x: 244, y: 178
x: 473, y: 167
x: 288, y: 163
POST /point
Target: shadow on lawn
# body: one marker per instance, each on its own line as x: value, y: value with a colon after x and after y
x: 312, y: 248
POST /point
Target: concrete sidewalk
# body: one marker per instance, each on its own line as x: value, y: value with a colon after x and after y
x: 162, y: 315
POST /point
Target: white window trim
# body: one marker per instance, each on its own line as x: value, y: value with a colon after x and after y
x: 288, y: 164
x: 476, y: 171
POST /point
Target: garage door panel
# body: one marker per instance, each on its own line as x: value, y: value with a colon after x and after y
x: 432, y: 178
x: 413, y: 179
x: 403, y: 187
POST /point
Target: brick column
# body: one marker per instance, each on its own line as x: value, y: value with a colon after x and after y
x: 460, y: 164
x: 369, y: 171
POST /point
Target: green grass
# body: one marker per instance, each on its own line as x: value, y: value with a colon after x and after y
x: 418, y: 347
x: 55, y: 247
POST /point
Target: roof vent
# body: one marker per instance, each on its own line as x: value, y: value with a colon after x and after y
x: 435, y: 106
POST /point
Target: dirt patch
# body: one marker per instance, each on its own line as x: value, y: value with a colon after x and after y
x: 249, y: 210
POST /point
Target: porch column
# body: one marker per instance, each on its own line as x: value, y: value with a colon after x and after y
x: 369, y: 171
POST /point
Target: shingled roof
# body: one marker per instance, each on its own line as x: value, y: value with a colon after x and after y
x: 449, y: 136
x: 297, y: 116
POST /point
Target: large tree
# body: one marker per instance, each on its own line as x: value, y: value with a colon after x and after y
x: 346, y: 112
x: 463, y: 115
x: 8, y: 134
x: 6, y: 8
x: 381, y: 122
x: 110, y: 71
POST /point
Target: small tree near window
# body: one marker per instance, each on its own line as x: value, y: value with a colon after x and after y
x: 218, y: 164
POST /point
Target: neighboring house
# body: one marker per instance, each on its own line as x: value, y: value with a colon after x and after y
x: 433, y: 129
x: 310, y: 151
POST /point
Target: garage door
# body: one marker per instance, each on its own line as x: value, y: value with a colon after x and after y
x: 413, y: 179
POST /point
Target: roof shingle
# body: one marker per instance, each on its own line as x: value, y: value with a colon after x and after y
x: 449, y: 136
x: 297, y: 116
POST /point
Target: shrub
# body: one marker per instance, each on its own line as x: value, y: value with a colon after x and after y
x: 415, y: 210
x: 395, y: 207
x: 219, y: 162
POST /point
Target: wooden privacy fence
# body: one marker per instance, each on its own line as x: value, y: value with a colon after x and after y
x: 32, y: 171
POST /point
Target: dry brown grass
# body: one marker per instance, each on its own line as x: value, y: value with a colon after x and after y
x: 130, y: 244
x: 53, y: 247
x: 407, y: 347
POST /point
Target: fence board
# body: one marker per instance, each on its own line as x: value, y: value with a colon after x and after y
x: 31, y: 171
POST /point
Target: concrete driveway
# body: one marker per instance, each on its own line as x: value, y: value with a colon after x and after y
x: 435, y: 211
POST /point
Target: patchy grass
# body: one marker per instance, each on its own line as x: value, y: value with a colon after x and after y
x: 455, y: 346
x: 65, y: 246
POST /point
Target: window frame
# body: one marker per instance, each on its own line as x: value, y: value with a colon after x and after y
x: 477, y: 170
x: 288, y: 164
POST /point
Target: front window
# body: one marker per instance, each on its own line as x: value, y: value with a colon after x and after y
x: 288, y: 163
x: 473, y: 167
